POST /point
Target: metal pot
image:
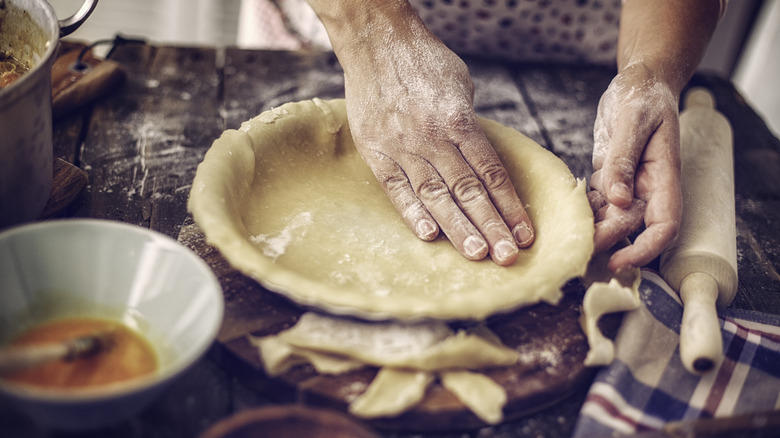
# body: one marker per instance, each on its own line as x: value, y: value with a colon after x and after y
x: 30, y: 32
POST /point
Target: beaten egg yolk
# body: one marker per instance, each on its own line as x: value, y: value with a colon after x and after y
x: 128, y: 355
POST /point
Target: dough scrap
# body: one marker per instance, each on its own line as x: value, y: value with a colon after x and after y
x: 606, y: 293
x: 422, y: 347
x: 291, y: 178
x: 392, y: 392
x: 278, y: 356
x: 373, y: 342
x: 409, y: 356
x: 483, y: 396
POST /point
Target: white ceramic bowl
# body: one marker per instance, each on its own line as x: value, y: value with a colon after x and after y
x: 110, y: 269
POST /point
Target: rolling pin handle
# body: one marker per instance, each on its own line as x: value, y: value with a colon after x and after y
x: 699, y: 97
x: 701, y: 344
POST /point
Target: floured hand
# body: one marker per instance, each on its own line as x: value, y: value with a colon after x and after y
x: 409, y: 104
x: 636, y: 163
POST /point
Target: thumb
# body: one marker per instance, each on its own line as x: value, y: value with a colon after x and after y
x: 620, y: 164
x: 617, y: 177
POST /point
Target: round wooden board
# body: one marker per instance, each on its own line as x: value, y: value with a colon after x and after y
x: 549, y: 339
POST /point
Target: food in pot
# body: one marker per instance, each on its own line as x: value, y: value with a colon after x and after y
x: 11, y: 69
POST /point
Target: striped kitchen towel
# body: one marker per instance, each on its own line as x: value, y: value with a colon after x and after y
x: 647, y: 386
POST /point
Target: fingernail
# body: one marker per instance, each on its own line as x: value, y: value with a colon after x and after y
x: 475, y: 247
x: 505, y: 249
x: 620, y: 190
x: 426, y: 229
x: 523, y: 234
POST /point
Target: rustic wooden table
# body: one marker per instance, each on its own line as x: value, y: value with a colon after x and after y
x: 141, y: 145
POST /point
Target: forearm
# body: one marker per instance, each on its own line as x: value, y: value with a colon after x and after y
x: 667, y: 36
x: 358, y: 28
x: 388, y: 53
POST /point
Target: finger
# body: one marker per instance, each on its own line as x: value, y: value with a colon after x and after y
x: 595, y: 181
x: 457, y: 198
x: 472, y: 197
x: 480, y: 155
x: 600, y: 135
x: 614, y: 224
x: 646, y: 247
x: 396, y: 185
x: 596, y: 196
x: 662, y: 219
x: 422, y: 199
x: 596, y: 200
x: 435, y: 195
x: 622, y: 157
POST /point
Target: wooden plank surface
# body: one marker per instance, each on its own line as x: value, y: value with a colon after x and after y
x: 141, y: 146
x: 145, y: 142
x: 255, y: 81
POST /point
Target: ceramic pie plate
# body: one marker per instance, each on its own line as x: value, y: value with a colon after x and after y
x: 289, y: 202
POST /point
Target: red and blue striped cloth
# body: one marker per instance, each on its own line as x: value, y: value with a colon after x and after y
x: 647, y: 386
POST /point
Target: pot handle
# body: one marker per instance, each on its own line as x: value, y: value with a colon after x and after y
x: 70, y: 24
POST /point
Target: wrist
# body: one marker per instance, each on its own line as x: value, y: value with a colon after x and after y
x: 649, y: 72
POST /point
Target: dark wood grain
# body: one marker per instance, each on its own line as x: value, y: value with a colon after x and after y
x: 66, y: 185
x: 144, y: 143
x: 255, y: 81
x: 72, y: 118
x: 563, y: 101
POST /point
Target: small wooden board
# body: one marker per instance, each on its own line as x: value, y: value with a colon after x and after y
x: 549, y: 339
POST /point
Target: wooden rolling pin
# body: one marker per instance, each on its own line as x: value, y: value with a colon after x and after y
x: 702, y: 263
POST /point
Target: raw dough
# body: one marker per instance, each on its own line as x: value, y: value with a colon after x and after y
x: 480, y: 393
x: 409, y: 357
x: 425, y: 346
x: 289, y: 202
x: 606, y: 293
x: 278, y: 356
x: 392, y: 392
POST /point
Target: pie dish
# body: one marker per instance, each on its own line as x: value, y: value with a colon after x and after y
x: 289, y: 202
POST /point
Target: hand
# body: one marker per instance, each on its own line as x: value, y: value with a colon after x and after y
x: 410, y: 109
x: 636, y: 162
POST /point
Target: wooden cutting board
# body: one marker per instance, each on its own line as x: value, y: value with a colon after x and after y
x: 76, y: 84
x: 549, y: 339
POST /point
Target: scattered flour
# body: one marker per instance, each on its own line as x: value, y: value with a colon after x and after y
x: 276, y: 245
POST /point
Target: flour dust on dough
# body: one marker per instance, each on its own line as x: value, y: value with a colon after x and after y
x: 289, y: 202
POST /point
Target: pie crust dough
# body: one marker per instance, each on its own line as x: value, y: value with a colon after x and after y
x: 410, y: 356
x: 606, y: 293
x: 288, y: 201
